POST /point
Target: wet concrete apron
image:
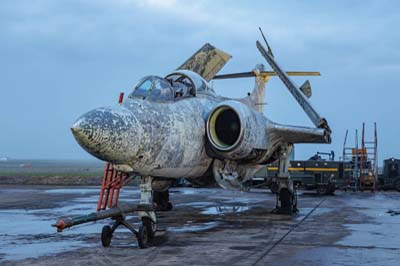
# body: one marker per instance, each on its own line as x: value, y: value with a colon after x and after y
x: 206, y: 227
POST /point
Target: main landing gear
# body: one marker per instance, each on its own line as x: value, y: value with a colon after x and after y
x: 286, y: 200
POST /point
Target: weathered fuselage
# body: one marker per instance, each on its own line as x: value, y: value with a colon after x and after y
x: 177, y: 126
x: 164, y: 139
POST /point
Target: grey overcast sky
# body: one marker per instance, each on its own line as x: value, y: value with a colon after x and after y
x: 59, y: 59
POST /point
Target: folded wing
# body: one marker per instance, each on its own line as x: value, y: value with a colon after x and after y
x: 207, y: 61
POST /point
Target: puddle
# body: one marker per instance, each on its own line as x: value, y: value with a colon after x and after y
x: 198, y: 204
x: 33, y: 250
x: 28, y: 233
x: 376, y: 228
x: 327, y: 256
x: 372, y: 235
x: 317, y: 211
x: 185, y: 191
x: 192, y: 228
x: 217, y: 210
x: 72, y: 191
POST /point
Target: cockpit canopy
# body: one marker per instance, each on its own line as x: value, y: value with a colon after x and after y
x: 177, y: 85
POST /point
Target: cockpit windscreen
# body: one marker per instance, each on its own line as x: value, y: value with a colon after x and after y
x: 153, y: 88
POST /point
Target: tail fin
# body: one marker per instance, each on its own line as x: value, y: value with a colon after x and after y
x: 256, y: 98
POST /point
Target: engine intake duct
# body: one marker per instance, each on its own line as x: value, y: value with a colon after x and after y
x: 234, y: 130
x: 225, y: 128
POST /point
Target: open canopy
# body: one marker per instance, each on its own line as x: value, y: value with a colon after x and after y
x: 178, y: 84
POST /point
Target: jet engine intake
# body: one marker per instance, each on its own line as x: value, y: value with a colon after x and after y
x: 234, y: 130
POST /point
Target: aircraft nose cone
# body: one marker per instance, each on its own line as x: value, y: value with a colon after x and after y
x: 106, y: 133
x: 76, y: 130
x: 83, y: 131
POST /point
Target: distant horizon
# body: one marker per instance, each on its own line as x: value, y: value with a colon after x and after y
x: 53, y: 159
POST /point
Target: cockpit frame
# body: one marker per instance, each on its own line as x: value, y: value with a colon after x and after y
x: 177, y: 85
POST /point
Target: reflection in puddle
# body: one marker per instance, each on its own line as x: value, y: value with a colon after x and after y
x: 196, y: 204
x: 371, y: 235
x: 27, y: 233
x: 72, y: 191
x: 224, y: 209
x: 30, y: 233
x: 188, y: 191
x: 193, y: 227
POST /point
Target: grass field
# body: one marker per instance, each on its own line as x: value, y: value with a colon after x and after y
x: 47, y: 168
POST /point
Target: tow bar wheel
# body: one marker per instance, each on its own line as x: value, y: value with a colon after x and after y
x: 106, y: 235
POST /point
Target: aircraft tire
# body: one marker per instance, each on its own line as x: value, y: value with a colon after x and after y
x: 274, y: 187
x: 331, y: 189
x: 143, y: 237
x: 285, y: 198
x: 151, y: 227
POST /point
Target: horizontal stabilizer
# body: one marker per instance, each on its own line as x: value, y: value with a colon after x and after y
x: 265, y: 74
x: 306, y: 89
x: 298, y: 134
x: 207, y: 61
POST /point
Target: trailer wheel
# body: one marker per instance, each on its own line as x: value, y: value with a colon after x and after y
x: 106, y: 235
x: 143, y: 237
x: 151, y: 226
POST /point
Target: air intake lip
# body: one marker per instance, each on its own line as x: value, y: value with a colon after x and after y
x: 224, y: 128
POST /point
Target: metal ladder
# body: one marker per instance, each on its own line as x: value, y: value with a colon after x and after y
x: 348, y: 155
x: 113, y: 181
x: 370, y: 154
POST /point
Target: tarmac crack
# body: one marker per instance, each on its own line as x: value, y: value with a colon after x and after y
x: 286, y: 234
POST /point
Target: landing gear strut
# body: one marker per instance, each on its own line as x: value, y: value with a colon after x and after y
x: 148, y: 227
x: 161, y: 200
x: 118, y: 212
x: 286, y: 200
x: 148, y: 218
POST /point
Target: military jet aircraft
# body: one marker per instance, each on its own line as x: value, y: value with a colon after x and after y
x: 178, y: 127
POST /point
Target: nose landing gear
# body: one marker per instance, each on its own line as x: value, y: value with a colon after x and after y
x: 147, y: 229
x: 144, y: 235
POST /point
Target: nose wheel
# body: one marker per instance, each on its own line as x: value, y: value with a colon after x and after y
x: 143, y: 237
x: 147, y: 229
